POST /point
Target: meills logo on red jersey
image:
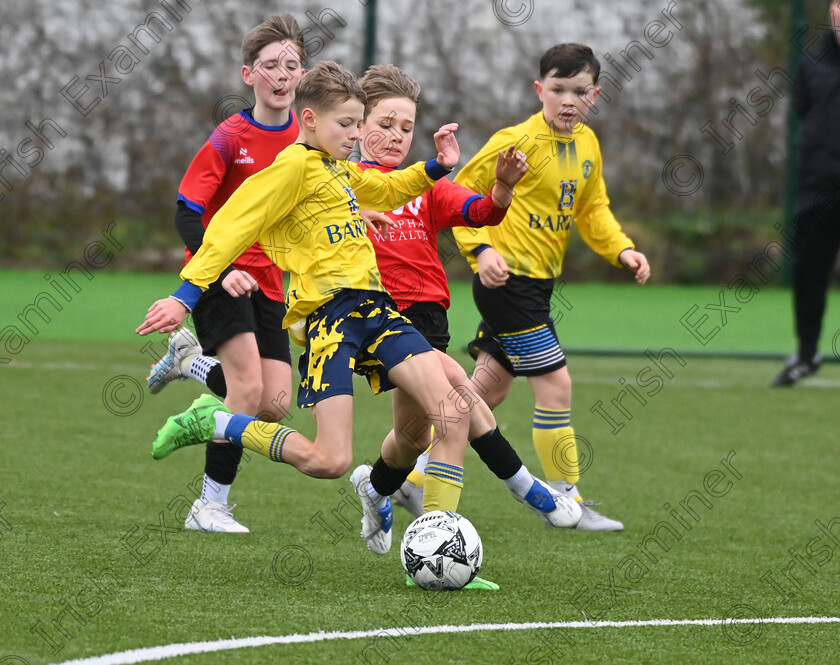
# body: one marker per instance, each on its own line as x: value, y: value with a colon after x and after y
x: 245, y: 157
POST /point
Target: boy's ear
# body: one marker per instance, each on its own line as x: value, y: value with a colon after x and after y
x: 538, y: 86
x: 307, y: 118
x: 247, y: 76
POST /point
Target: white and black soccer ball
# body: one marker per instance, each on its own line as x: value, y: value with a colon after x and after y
x: 441, y: 551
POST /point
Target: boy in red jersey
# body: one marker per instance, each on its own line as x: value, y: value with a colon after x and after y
x: 253, y: 370
x: 412, y: 272
x: 305, y: 210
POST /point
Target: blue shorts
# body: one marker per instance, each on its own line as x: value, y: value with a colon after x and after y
x: 356, y: 331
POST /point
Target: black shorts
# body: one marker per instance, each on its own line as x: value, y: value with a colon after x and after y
x: 219, y: 316
x: 517, y: 328
x: 431, y: 321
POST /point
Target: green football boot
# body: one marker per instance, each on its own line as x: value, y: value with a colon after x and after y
x: 194, y: 426
x: 477, y: 583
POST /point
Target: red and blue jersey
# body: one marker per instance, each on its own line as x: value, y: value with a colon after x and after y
x: 408, y: 258
x: 238, y: 148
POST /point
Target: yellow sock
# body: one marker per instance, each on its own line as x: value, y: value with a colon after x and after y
x: 554, y: 440
x: 416, y: 478
x: 416, y: 475
x: 264, y: 438
x: 442, y: 489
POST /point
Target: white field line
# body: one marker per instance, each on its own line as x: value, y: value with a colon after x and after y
x: 173, y: 650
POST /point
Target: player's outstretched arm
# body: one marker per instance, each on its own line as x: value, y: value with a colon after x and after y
x: 164, y: 315
x: 511, y: 167
x: 637, y: 262
x: 447, y: 146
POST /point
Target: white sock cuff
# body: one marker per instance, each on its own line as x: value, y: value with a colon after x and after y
x: 222, y: 420
x: 420, y: 464
x: 521, y: 481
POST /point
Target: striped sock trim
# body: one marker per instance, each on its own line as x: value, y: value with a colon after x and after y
x: 447, y: 472
x: 275, y: 448
x: 552, y: 419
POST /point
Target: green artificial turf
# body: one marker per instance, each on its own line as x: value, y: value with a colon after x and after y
x: 91, y: 540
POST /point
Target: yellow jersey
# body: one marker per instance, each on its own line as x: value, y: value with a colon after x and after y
x: 304, y: 212
x: 562, y: 188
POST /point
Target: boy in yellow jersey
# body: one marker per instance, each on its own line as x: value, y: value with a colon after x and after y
x: 304, y: 211
x: 517, y: 261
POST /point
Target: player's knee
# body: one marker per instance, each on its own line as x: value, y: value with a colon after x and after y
x: 247, y: 391
x: 273, y: 410
x: 334, y: 467
x: 494, y: 394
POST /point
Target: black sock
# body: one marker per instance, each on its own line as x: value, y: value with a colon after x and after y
x: 221, y: 462
x: 216, y: 382
x: 386, y: 479
x: 497, y: 453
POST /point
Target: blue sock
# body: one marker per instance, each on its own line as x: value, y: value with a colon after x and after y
x: 236, y: 427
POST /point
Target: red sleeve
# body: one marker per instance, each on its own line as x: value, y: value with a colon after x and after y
x: 453, y: 204
x: 483, y: 212
x: 205, y: 174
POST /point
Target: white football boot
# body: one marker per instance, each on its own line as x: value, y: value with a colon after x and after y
x: 213, y: 517
x: 376, y: 522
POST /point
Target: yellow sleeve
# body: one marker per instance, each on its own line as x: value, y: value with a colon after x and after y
x: 595, y: 221
x: 260, y: 203
x: 387, y: 191
x: 479, y: 175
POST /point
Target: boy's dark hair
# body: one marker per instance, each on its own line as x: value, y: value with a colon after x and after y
x: 325, y: 86
x: 387, y: 82
x: 277, y: 28
x: 567, y: 60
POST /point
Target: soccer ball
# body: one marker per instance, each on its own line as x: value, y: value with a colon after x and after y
x: 441, y: 551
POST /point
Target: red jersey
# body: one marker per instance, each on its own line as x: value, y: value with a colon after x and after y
x: 408, y: 260
x: 238, y: 148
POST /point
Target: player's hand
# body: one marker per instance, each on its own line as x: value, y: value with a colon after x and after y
x: 447, y: 146
x: 378, y: 222
x: 492, y: 269
x: 511, y: 166
x: 637, y: 262
x: 239, y: 283
x: 165, y: 316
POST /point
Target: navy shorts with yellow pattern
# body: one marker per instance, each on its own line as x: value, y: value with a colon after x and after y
x: 356, y: 331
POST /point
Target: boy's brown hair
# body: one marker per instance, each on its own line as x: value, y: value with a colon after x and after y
x: 325, y: 86
x: 277, y: 28
x: 386, y: 82
x: 567, y: 60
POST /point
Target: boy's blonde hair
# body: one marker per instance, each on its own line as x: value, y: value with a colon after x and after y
x: 386, y: 82
x: 325, y: 86
x: 277, y: 28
